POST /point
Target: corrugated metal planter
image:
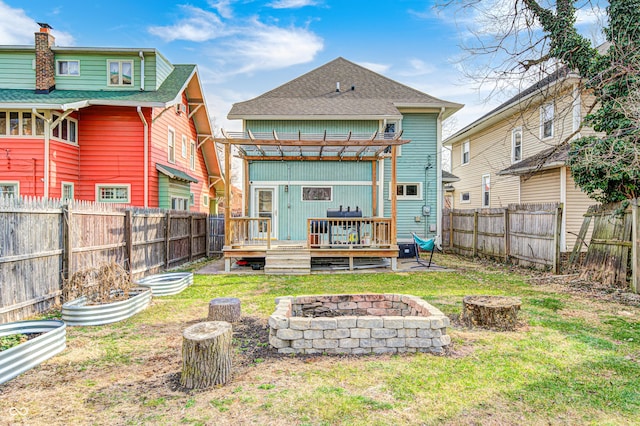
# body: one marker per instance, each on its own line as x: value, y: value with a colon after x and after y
x: 167, y: 284
x: 77, y: 312
x: 20, y: 358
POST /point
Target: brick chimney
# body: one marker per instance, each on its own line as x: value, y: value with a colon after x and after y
x: 45, y: 60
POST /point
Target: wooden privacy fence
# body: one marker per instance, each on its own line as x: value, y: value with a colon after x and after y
x: 528, y: 234
x: 43, y: 241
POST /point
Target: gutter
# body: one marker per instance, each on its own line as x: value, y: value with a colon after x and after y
x: 141, y: 70
x: 146, y: 156
x: 439, y: 175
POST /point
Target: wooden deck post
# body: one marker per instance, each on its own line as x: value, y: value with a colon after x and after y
x: 227, y: 194
x: 246, y: 189
x: 635, y: 246
x: 374, y: 188
x: 394, y: 195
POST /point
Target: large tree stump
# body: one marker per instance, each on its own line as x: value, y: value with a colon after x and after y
x: 496, y: 312
x: 224, y: 309
x: 206, y: 354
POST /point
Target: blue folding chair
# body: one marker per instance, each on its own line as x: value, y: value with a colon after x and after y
x: 424, y: 245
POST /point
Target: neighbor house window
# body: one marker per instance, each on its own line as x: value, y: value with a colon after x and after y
x: 409, y: 191
x: 390, y: 130
x: 179, y: 203
x: 71, y: 68
x: 192, y: 199
x: 486, y: 190
x: 171, y: 145
x: 184, y: 146
x: 317, y: 193
x: 120, y: 73
x: 67, y: 191
x: 465, y: 197
x: 546, y: 119
x: 67, y: 129
x: 9, y: 189
x: 192, y: 155
x: 465, y: 152
x: 20, y: 123
x: 205, y: 200
x: 113, y: 193
x: 516, y: 145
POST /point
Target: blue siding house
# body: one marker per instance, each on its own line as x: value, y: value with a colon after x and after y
x: 339, y: 162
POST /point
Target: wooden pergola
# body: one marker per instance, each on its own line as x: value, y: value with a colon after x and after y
x: 298, y: 146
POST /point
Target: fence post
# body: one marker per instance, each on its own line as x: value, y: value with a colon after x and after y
x: 128, y: 240
x: 167, y: 243
x: 507, y: 239
x: 67, y: 229
x: 191, y: 228
x: 635, y: 246
x: 557, y: 228
x: 451, y: 229
x: 209, y: 237
x: 475, y: 233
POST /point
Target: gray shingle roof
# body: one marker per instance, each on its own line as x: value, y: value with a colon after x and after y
x: 362, y: 92
x: 449, y: 177
x: 552, y: 157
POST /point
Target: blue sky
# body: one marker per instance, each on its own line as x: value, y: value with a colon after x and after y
x: 244, y: 48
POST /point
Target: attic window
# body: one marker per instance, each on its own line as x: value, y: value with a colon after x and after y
x: 120, y: 73
x: 70, y: 68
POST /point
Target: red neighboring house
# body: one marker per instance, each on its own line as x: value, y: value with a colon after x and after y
x: 105, y: 124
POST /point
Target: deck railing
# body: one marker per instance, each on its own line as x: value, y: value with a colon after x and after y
x: 349, y: 232
x: 250, y: 231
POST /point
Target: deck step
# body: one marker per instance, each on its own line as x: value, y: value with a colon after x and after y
x: 281, y: 261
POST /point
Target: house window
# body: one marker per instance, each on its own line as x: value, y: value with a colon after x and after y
x: 71, y: 68
x: 192, y: 199
x: 120, y: 73
x: 546, y: 118
x: 486, y: 190
x: 67, y: 191
x: 171, y: 145
x: 516, y: 145
x: 192, y: 155
x: 3, y: 123
x: 9, y: 189
x: 409, y: 191
x: 18, y: 123
x: 390, y: 130
x: 465, y: 152
x: 184, y: 146
x: 67, y: 129
x: 317, y: 193
x: 205, y: 200
x: 14, y: 123
x: 179, y: 203
x: 465, y: 197
x: 113, y: 193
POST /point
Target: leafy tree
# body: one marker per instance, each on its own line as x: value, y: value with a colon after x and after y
x: 606, y: 167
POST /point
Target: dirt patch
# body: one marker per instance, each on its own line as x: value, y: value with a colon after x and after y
x: 591, y: 289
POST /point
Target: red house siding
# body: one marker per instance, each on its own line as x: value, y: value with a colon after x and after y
x: 64, y: 167
x: 111, y: 151
x: 21, y: 160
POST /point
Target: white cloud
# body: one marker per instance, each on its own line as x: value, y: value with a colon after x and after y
x: 223, y: 7
x: 379, y: 68
x: 16, y: 28
x: 417, y: 68
x: 292, y: 4
x: 199, y: 25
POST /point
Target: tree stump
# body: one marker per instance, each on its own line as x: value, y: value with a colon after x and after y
x: 224, y: 309
x: 496, y: 312
x: 206, y: 355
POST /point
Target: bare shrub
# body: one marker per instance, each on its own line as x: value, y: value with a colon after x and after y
x: 102, y: 284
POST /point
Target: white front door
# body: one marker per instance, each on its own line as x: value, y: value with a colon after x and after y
x: 265, y: 202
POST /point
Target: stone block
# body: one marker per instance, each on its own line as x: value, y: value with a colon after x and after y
x: 302, y: 344
x: 357, y: 297
x: 349, y: 343
x: 372, y: 343
x: 325, y: 343
x: 441, y: 341
x: 418, y: 342
x: 360, y: 351
x: 426, y: 333
x: 376, y: 311
x: 384, y: 350
x: 290, y: 351
x: 346, y: 322
x: 417, y: 322
x: 374, y: 297
x: 364, y: 305
x: 437, y: 322
x: 313, y: 351
x: 370, y: 322
x: 360, y: 333
x: 313, y: 334
x: 407, y: 332
x: 278, y: 343
x: 446, y: 322
x: 299, y: 323
x: 287, y: 299
x: 278, y: 322
x: 339, y: 333
x: 383, y: 333
x: 385, y: 304
x: 338, y: 351
x: 288, y: 334
x: 347, y: 305
x: 396, y: 342
x: 393, y: 322
x: 323, y: 323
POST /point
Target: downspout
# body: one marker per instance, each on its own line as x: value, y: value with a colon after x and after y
x: 47, y: 148
x: 439, y: 176
x: 141, y: 70
x: 146, y: 156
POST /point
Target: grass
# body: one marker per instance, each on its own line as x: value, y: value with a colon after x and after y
x: 573, y: 360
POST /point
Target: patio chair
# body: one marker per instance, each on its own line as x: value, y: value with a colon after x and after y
x: 424, y: 245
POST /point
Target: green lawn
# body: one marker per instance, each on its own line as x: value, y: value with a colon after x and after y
x: 574, y: 360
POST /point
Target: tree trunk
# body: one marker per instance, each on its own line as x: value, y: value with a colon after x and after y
x: 206, y: 355
x: 224, y: 309
x: 497, y: 312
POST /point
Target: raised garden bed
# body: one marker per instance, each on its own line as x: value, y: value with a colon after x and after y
x: 79, y: 312
x: 26, y: 355
x: 357, y: 324
x: 167, y: 284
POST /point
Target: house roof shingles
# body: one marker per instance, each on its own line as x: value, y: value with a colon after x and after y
x: 362, y: 93
x: 549, y: 158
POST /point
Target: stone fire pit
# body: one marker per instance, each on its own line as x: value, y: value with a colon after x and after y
x: 357, y: 324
